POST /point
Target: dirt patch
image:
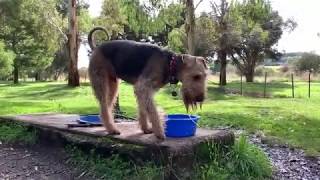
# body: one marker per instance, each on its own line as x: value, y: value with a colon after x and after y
x: 36, y: 162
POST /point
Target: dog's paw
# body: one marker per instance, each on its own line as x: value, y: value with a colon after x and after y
x: 147, y: 130
x: 160, y: 136
x: 114, y: 132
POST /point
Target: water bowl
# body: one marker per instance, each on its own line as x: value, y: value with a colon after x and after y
x: 181, y: 125
x: 90, y: 119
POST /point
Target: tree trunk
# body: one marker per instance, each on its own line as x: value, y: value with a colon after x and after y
x: 73, y: 44
x: 37, y: 76
x: 222, y: 55
x: 249, y: 77
x: 251, y: 67
x: 15, y: 74
x: 190, y: 26
x: 250, y: 74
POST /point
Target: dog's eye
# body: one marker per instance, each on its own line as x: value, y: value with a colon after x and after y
x: 196, y: 77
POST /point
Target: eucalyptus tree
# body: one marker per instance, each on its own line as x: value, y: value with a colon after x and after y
x: 260, y: 29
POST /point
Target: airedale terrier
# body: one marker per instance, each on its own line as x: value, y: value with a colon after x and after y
x: 148, y: 68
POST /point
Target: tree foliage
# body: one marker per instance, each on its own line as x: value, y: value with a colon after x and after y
x: 137, y: 20
x: 177, y: 40
x: 6, y: 61
x: 260, y: 28
x: 204, y: 37
x: 26, y: 31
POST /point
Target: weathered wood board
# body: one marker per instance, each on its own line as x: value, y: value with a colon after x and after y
x: 130, y: 131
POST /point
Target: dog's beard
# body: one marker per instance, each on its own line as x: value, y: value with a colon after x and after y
x: 190, y: 102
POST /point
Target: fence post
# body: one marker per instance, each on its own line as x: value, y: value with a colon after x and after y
x: 309, y: 84
x: 292, y: 83
x: 241, y: 92
x: 265, y: 85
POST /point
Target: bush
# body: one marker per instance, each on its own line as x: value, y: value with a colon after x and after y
x: 308, y: 62
x: 261, y: 70
x: 285, y: 69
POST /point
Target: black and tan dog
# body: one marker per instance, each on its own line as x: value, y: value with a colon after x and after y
x: 148, y: 68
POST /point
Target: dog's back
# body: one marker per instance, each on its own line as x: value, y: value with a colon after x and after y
x: 129, y: 58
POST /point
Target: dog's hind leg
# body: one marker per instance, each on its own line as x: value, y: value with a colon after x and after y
x: 105, y: 89
x: 112, y: 92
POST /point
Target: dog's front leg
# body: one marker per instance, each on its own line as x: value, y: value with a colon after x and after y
x: 146, y: 103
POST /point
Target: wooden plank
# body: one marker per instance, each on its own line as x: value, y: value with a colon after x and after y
x: 130, y: 131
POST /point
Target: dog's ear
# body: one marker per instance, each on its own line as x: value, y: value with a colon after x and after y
x: 202, y: 60
x: 182, y: 58
x: 188, y: 60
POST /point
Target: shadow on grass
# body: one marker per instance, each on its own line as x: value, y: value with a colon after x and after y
x: 274, y: 87
x: 47, y: 91
x: 217, y: 93
x: 256, y: 89
x: 13, y: 107
x: 11, y: 84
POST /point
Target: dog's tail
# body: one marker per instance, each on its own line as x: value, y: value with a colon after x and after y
x: 91, y: 40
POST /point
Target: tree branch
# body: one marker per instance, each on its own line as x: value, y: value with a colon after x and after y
x: 198, y: 4
x: 51, y: 22
x: 58, y: 28
x: 236, y: 61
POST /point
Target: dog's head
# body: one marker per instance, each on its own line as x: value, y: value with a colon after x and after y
x: 193, y: 75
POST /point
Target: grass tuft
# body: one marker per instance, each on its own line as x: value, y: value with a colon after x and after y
x: 113, y: 167
x: 241, y: 161
x: 17, y: 133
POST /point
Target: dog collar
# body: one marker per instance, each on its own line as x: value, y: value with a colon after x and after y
x: 173, y: 70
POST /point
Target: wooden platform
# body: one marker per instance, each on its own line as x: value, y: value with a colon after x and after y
x: 130, y: 132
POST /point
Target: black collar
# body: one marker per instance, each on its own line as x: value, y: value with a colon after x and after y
x: 173, y: 69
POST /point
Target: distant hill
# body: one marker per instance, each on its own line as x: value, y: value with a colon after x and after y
x: 291, y: 56
x: 285, y: 59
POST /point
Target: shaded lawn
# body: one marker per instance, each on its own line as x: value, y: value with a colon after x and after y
x: 295, y: 121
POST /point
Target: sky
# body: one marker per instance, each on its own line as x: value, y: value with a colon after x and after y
x: 303, y: 39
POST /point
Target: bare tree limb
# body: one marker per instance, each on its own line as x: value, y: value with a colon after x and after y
x: 198, y: 4
x: 52, y: 23
x: 49, y: 20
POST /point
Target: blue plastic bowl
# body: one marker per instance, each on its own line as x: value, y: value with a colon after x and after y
x: 181, y: 125
x: 90, y: 119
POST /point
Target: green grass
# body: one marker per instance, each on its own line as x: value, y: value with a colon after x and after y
x: 114, y: 167
x: 294, y: 121
x: 241, y: 161
x: 17, y: 133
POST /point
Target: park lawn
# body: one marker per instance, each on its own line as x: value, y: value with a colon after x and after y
x: 294, y: 121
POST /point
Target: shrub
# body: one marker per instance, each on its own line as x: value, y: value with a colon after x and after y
x: 261, y: 70
x: 284, y: 69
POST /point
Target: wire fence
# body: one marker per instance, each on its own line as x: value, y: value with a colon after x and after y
x: 306, y: 85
